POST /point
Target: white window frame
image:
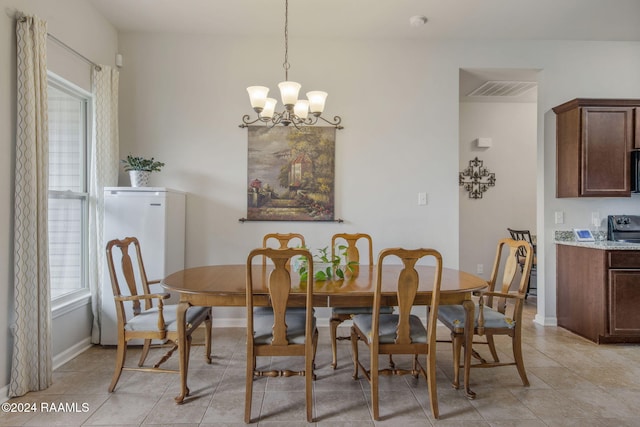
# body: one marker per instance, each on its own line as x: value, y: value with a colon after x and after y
x: 80, y: 296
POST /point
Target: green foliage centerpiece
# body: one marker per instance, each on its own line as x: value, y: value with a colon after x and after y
x: 329, y: 267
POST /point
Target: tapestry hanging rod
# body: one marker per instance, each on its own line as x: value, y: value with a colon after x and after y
x: 243, y: 220
x: 22, y: 17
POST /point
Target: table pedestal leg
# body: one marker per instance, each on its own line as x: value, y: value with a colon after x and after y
x: 182, y: 349
x: 469, y: 309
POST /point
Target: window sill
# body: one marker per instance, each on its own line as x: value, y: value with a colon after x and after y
x: 68, y: 303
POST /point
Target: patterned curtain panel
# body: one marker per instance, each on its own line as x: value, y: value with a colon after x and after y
x: 104, y: 173
x: 31, y: 365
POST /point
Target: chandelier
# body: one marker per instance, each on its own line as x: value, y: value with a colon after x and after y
x: 298, y: 112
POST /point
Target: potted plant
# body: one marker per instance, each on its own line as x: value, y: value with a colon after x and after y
x: 140, y: 168
x: 325, y: 267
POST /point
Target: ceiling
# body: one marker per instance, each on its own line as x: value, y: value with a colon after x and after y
x: 383, y: 19
x: 604, y: 20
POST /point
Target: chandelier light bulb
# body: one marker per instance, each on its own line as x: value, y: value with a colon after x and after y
x: 289, y: 93
x: 301, y: 109
x: 317, y: 100
x: 269, y: 108
x: 257, y: 97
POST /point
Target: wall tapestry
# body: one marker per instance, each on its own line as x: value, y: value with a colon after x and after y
x: 291, y: 173
x: 476, y: 179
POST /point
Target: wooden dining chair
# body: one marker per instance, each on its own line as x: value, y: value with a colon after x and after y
x: 280, y: 331
x: 521, y: 255
x: 284, y: 240
x: 401, y: 333
x: 352, y: 255
x: 153, y: 322
x: 499, y: 311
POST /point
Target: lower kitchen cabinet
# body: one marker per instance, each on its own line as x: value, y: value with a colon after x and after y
x: 598, y: 293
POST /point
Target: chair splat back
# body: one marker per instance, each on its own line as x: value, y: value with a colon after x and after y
x: 284, y: 241
x: 406, y: 294
x: 521, y: 235
x: 279, y: 290
x: 510, y: 268
x: 352, y: 253
x: 129, y: 273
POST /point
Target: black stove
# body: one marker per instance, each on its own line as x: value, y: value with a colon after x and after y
x: 623, y: 228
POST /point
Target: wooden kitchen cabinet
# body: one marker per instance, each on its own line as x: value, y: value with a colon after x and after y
x: 594, y: 138
x: 598, y: 293
x: 636, y: 116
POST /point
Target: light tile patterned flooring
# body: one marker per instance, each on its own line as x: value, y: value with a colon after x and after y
x: 573, y: 383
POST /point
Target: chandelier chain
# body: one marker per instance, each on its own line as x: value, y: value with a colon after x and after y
x: 286, y: 64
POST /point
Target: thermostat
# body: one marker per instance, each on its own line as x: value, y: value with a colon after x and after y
x: 583, y: 235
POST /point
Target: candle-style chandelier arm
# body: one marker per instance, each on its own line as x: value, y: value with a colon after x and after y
x: 336, y: 121
x: 286, y: 118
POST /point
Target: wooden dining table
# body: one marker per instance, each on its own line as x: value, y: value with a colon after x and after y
x: 225, y: 286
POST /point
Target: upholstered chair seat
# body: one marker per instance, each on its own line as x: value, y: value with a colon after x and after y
x: 388, y: 328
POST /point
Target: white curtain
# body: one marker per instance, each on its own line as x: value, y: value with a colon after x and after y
x: 104, y: 173
x: 31, y: 364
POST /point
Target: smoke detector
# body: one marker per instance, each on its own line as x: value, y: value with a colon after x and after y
x: 417, y: 20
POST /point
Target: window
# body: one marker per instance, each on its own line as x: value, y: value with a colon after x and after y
x: 68, y: 198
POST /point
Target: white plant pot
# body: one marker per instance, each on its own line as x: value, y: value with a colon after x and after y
x: 139, y: 178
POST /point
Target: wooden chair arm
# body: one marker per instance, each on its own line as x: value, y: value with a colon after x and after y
x: 513, y: 295
x: 160, y: 296
x: 504, y: 294
x: 136, y: 310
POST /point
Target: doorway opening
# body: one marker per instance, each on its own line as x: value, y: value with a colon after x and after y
x: 498, y: 126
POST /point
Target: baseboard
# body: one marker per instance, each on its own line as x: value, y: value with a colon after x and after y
x: 58, y: 360
x: 545, y: 321
x: 4, y: 393
x: 62, y: 358
x: 235, y: 322
x: 231, y: 322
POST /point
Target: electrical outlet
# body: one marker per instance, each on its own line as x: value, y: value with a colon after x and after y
x: 422, y: 199
x: 480, y: 268
x: 559, y: 217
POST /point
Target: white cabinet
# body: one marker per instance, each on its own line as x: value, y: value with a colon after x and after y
x: 156, y: 217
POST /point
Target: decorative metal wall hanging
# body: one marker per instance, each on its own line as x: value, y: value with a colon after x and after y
x: 476, y: 179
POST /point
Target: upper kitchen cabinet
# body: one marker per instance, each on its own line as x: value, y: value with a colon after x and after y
x: 593, y: 140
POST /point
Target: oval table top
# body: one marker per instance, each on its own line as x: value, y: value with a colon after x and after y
x: 230, y: 280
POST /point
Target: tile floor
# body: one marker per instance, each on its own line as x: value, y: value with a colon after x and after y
x: 573, y: 383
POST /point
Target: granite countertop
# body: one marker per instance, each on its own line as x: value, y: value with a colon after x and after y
x: 567, y: 238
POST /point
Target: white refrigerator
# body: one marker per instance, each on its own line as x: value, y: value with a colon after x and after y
x: 156, y: 217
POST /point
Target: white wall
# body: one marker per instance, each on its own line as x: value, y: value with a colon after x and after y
x: 182, y: 97
x: 76, y: 23
x: 512, y: 157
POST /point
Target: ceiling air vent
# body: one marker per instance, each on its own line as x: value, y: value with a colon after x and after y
x: 503, y: 88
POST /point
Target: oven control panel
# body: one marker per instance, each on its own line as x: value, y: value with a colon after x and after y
x: 623, y: 227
